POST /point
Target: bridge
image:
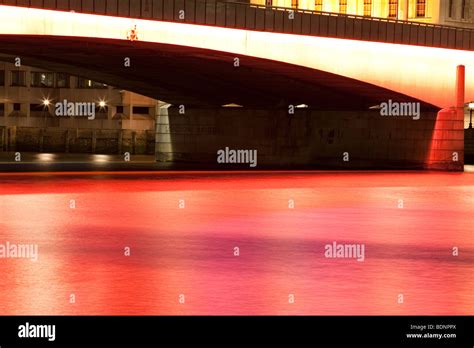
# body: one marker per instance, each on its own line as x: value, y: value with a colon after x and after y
x: 205, y: 54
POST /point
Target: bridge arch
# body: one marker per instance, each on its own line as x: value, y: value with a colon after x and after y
x: 170, y: 59
x: 194, y: 76
x: 403, y: 69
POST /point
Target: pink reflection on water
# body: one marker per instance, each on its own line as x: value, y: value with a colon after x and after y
x: 190, y: 251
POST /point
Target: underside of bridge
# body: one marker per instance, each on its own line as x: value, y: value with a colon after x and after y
x: 336, y: 128
x: 196, y: 77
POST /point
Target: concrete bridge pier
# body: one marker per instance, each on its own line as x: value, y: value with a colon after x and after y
x: 309, y: 138
x: 447, y: 145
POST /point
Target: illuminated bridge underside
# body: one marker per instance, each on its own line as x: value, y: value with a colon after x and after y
x: 424, y: 73
x: 195, y: 77
x: 194, y: 65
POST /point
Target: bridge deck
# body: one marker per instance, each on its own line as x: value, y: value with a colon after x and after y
x: 274, y: 19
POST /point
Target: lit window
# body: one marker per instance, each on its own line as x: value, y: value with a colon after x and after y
x: 343, y: 6
x: 318, y: 5
x: 392, y: 8
x: 294, y: 3
x: 367, y: 7
x: 42, y: 79
x: 86, y: 83
x: 420, y: 8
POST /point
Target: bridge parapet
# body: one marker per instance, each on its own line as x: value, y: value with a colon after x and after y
x: 247, y: 16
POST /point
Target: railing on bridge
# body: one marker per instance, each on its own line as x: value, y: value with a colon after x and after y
x: 269, y: 18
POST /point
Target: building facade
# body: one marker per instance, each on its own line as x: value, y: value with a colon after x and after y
x: 458, y: 13
x: 28, y: 112
x: 24, y: 90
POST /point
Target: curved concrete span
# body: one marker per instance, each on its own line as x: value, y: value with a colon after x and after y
x: 212, y: 66
x: 424, y: 73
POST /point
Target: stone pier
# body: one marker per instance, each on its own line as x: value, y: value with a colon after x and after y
x: 306, y: 139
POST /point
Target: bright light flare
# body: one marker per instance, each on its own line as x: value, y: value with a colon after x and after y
x: 100, y: 158
x: 46, y: 157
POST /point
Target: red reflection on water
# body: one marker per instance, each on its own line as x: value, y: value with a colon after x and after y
x: 190, y: 251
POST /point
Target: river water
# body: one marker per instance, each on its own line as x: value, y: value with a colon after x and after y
x: 238, y: 243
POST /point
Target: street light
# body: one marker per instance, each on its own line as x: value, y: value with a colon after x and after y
x: 102, y: 108
x: 471, y: 108
x: 46, y: 104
